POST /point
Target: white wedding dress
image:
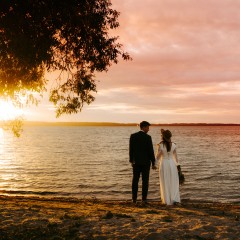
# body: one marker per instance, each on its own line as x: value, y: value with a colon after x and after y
x: 168, y: 174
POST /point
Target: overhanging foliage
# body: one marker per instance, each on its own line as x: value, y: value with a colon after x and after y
x: 47, y: 35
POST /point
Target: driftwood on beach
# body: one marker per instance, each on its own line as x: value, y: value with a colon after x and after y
x: 66, y: 218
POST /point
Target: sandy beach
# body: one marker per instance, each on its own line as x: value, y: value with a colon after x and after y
x: 68, y: 218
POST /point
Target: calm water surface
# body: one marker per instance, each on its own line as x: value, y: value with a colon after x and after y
x: 93, y: 162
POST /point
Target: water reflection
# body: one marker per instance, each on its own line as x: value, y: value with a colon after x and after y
x: 1, y: 141
x: 79, y: 161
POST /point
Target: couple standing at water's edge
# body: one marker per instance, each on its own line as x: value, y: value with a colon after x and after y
x: 142, y: 156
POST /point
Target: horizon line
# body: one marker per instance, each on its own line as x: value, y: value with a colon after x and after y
x: 123, y: 124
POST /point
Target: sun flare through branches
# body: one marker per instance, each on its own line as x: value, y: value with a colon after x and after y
x: 8, y: 111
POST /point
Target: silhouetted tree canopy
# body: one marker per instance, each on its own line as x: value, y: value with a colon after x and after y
x: 47, y: 35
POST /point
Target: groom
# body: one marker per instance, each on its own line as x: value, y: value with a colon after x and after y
x: 141, y: 155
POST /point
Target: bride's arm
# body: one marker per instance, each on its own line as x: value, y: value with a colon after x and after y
x: 159, y: 153
x: 175, y: 156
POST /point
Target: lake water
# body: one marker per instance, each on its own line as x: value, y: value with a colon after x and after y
x: 86, y: 162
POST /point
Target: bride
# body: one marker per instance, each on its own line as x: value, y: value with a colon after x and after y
x: 168, y: 173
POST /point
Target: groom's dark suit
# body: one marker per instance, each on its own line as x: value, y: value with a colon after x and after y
x: 141, y: 156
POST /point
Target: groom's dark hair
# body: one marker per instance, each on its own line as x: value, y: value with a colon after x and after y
x: 144, y: 124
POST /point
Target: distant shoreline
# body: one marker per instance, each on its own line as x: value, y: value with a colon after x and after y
x: 33, y: 123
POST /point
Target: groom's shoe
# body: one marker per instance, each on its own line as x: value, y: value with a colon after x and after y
x: 145, y: 202
x: 134, y: 201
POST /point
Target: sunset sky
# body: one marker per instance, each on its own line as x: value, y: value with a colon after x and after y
x: 185, y: 67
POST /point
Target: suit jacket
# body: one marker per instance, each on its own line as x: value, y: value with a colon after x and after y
x: 141, y: 149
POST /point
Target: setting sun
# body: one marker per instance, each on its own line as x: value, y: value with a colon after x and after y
x: 8, y: 111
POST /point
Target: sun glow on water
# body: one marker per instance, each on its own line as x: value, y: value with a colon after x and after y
x: 1, y: 140
x: 1, y: 133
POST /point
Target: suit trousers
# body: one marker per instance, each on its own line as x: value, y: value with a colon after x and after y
x: 137, y: 171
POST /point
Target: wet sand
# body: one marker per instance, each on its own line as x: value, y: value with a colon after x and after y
x: 67, y: 218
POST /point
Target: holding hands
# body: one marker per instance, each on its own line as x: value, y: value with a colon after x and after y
x: 154, y: 167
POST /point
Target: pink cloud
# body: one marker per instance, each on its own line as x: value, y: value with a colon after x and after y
x: 186, y: 63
